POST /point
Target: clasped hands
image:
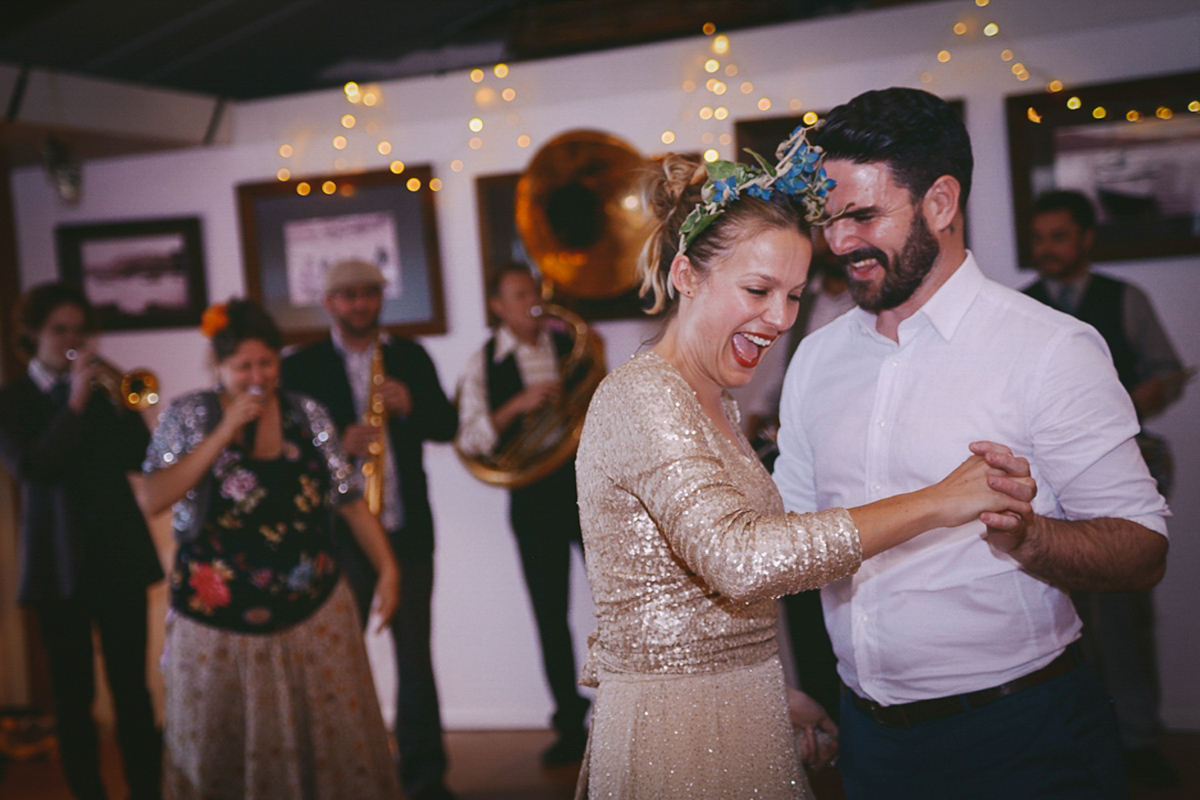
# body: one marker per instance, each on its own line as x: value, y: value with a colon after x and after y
x: 1009, y: 475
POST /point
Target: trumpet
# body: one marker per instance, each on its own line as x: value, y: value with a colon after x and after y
x: 137, y: 389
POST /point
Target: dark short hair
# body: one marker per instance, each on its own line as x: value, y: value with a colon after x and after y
x: 36, y: 306
x: 496, y: 279
x: 918, y: 135
x: 1074, y: 203
x: 247, y: 320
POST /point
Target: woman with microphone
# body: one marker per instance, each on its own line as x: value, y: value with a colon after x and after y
x: 268, y: 689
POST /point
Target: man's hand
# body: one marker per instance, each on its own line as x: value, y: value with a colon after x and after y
x: 357, y: 439
x: 397, y: 398
x: 536, y: 395
x: 1006, y: 531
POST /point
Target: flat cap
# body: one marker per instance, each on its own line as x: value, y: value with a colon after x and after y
x: 353, y: 272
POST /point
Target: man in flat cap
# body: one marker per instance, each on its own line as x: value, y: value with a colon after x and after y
x: 337, y: 372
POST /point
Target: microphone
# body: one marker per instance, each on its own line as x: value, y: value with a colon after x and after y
x: 250, y: 431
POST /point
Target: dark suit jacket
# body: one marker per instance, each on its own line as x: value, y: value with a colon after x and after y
x: 81, y: 529
x: 318, y: 371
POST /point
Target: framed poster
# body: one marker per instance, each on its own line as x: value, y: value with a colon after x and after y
x: 1132, y: 147
x: 293, y: 231
x: 138, y: 274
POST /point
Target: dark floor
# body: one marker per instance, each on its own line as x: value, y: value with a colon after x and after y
x: 503, y: 765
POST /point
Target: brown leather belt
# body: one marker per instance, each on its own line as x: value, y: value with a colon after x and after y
x: 905, y: 715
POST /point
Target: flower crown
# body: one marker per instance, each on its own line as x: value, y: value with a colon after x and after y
x: 798, y: 176
x: 215, y: 320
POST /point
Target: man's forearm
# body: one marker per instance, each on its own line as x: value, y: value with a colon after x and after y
x: 1107, y: 554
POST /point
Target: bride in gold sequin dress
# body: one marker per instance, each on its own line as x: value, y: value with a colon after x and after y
x: 686, y: 539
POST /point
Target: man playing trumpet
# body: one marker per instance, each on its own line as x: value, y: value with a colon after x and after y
x: 86, y: 552
x: 337, y: 371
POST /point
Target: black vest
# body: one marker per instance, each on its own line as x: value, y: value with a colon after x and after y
x: 504, y: 378
x: 1102, y: 307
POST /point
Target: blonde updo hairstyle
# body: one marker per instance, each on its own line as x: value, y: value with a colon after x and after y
x: 670, y: 191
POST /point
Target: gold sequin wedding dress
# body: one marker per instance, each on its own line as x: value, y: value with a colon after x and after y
x: 687, y: 548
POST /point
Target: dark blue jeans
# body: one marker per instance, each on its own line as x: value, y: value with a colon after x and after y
x: 1056, y: 740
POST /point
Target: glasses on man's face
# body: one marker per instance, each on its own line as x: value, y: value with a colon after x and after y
x: 359, y: 293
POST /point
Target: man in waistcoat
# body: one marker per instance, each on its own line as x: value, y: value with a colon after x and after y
x: 515, y: 373
x: 1118, y: 626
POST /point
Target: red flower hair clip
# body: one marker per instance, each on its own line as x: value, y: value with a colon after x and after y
x: 215, y: 320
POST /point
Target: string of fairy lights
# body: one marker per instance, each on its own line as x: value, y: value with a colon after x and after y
x: 714, y: 84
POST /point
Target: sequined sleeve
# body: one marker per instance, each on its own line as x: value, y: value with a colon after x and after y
x: 182, y: 426
x: 660, y: 448
x: 345, y: 482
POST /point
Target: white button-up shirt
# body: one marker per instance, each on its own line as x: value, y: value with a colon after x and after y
x: 864, y: 418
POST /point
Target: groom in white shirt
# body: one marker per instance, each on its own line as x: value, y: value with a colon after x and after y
x: 955, y: 650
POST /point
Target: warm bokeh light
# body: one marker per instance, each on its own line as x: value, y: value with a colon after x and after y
x: 1033, y: 115
x: 477, y: 76
x: 1194, y: 106
x: 711, y: 155
x: 384, y: 148
x: 981, y: 3
x: 284, y: 174
x: 1164, y: 113
x: 960, y: 28
x: 731, y: 70
x: 500, y: 70
x: 709, y: 29
x: 795, y: 104
x: 1054, y: 86
x: 339, y: 142
x: 475, y: 143
x: 413, y: 184
x: 926, y: 77
x: 1132, y: 115
x: 350, y: 88
x: 485, y: 96
x: 720, y: 112
x: 668, y: 137
x: 764, y: 104
x: 689, y: 86
x: 707, y: 137
x: 1006, y: 55
x: 991, y: 29
x: 943, y: 56
x: 347, y: 190
x: 1099, y: 112
x: 1074, y: 103
x: 285, y: 150
x: 706, y: 113
x: 523, y: 140
x: 725, y: 138
x: 720, y: 44
x: 719, y: 88
x: 328, y: 187
x: 1022, y: 76
x: 1018, y: 68
x: 712, y: 65
x: 396, y: 167
x: 475, y: 124
x: 810, y: 118
x: 370, y: 98
x: 348, y: 121
x: 509, y: 94
x: 457, y: 165
x: 435, y: 184
x: 302, y: 188
x: 747, y: 87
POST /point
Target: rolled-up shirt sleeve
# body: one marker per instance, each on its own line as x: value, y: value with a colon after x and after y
x: 476, y: 434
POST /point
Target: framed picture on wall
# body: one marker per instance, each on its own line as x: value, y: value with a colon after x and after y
x: 1133, y: 148
x: 293, y: 231
x: 137, y: 274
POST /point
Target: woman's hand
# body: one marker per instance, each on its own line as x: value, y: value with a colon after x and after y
x: 990, y: 485
x: 387, y: 594
x: 816, y: 733
x: 242, y: 408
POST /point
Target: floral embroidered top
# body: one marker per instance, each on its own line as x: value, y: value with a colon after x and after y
x: 255, y: 553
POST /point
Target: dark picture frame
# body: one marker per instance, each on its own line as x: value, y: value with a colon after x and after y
x: 292, y: 231
x: 1138, y: 164
x: 137, y: 274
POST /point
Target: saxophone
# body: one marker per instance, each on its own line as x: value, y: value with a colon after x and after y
x: 375, y: 417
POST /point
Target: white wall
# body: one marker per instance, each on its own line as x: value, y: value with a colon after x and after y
x: 485, y: 646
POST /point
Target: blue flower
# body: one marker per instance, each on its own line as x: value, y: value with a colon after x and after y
x: 726, y: 190
x: 754, y: 190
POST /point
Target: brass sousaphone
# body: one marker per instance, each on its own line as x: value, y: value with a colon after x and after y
x: 583, y: 225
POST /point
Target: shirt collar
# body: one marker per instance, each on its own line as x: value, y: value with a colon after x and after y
x: 507, y: 342
x: 42, y: 376
x: 946, y: 309
x: 339, y: 345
